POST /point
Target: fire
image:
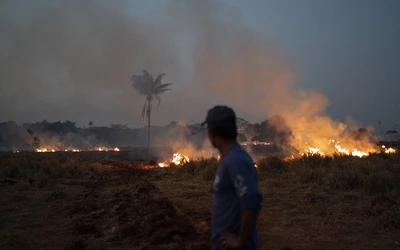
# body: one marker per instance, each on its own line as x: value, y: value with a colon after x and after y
x: 359, y: 153
x: 314, y: 151
x: 163, y: 165
x: 108, y: 149
x: 342, y: 150
x: 72, y: 150
x: 388, y: 150
x: 345, y: 151
x: 177, y: 159
x: 44, y: 150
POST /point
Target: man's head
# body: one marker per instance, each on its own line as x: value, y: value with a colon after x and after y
x: 221, y: 124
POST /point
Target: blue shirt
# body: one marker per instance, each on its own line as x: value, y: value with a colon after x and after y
x: 235, y: 189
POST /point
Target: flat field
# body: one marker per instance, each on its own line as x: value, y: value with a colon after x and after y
x: 108, y: 200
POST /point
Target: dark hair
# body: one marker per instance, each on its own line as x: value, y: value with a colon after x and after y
x: 227, y: 131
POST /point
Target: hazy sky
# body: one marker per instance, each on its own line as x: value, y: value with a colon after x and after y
x: 349, y: 50
x: 74, y: 59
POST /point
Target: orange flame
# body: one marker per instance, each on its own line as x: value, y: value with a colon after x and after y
x: 345, y: 151
x: 44, y: 150
x: 177, y: 159
x: 388, y: 150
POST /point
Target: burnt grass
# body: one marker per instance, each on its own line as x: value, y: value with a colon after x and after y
x: 108, y: 200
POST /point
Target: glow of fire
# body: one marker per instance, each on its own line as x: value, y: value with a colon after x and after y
x: 388, y: 150
x: 342, y: 150
x: 345, y: 151
x: 359, y: 153
x: 44, y: 150
x: 107, y: 149
x: 177, y: 159
x: 162, y: 164
x: 314, y: 151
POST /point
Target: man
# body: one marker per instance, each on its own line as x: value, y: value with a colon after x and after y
x: 236, y: 199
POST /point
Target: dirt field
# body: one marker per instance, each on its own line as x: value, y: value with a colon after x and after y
x: 56, y: 201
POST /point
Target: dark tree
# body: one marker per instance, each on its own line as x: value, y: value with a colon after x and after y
x: 151, y: 89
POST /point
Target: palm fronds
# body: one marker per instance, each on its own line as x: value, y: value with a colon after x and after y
x: 145, y: 85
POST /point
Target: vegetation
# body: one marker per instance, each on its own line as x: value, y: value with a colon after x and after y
x: 152, y: 89
x: 80, y: 202
x: 103, y: 200
x: 68, y: 134
x: 318, y: 202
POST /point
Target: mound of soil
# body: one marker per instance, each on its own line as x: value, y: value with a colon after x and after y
x: 122, y: 211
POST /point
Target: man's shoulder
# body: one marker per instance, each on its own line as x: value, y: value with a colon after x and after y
x: 238, y: 156
x: 241, y: 153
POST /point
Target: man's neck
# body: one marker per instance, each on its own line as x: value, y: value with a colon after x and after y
x: 226, y: 147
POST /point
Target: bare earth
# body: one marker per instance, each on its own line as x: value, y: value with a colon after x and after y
x: 61, y: 203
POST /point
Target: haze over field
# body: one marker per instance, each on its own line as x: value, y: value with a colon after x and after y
x: 72, y: 60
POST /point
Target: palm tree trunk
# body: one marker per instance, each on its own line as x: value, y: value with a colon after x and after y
x: 148, y: 133
x: 148, y: 126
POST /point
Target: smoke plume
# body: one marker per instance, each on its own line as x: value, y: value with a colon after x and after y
x: 73, y: 60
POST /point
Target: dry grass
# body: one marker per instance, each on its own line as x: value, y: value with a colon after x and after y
x: 310, y: 203
x: 53, y: 201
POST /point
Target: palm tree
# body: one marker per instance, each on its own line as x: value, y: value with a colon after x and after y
x: 151, y: 89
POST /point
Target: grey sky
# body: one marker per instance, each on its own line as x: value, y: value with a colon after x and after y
x: 71, y: 60
x: 349, y: 50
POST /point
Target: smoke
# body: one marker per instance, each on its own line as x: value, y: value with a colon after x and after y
x: 73, y: 60
x: 252, y: 75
